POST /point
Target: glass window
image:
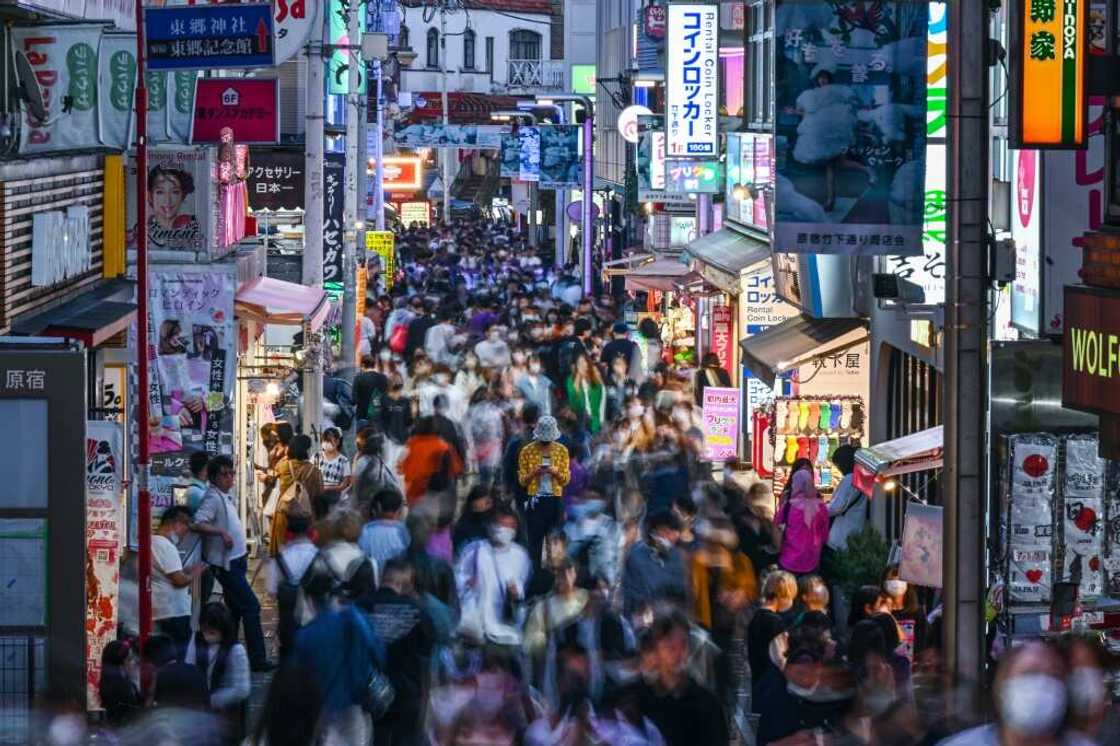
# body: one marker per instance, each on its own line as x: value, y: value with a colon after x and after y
x: 23, y: 461
x: 524, y: 45
x: 433, y: 48
x: 759, y: 60
x: 468, y: 49
x: 23, y: 585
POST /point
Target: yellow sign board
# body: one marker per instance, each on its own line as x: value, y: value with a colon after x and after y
x: 1049, y: 108
x: 382, y: 243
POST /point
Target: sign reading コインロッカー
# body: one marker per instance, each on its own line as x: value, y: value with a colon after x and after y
x: 692, y: 97
x: 1091, y: 350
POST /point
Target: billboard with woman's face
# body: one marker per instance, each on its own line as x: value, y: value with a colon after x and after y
x: 181, y: 201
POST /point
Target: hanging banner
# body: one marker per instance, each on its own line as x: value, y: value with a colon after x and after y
x: 720, y: 337
x: 116, y: 86
x: 180, y: 105
x: 333, y: 211
x: 465, y: 136
x: 382, y: 245
x: 510, y: 164
x: 158, y: 126
x: 276, y: 180
x: 561, y: 165
x: 248, y: 106
x: 338, y: 70
x: 1048, y: 51
x: 64, y: 59
x: 851, y: 89
x: 194, y: 341
x: 104, y: 469
x: 182, y: 206
x: 692, y: 81
x: 529, y: 164
x: 721, y: 423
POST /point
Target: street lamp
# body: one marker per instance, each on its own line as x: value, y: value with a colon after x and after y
x: 512, y: 115
x: 588, y: 174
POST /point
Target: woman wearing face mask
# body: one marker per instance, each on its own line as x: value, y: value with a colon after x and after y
x: 1089, y: 700
x: 907, y: 611
x: 485, y: 432
x: 332, y: 462
x: 1031, y: 702
x: 214, y: 649
x: 535, y: 386
x: 586, y: 394
x: 493, y: 352
x: 469, y: 379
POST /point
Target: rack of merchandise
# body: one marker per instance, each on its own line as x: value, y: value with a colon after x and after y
x: 1060, y: 521
x: 813, y: 427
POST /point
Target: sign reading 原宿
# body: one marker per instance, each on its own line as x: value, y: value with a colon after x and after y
x: 692, y: 81
x: 197, y: 37
x: 1049, y: 106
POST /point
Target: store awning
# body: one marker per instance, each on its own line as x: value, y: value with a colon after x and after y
x: 663, y: 274
x: 797, y: 340
x: 722, y: 255
x: 273, y: 301
x: 918, y: 451
x: 93, y: 316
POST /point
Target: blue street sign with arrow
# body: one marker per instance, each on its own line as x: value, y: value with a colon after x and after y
x: 199, y: 37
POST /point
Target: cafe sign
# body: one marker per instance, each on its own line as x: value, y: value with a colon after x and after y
x: 1049, y: 105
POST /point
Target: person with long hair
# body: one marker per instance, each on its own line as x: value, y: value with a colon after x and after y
x: 586, y: 395
x: 215, y: 651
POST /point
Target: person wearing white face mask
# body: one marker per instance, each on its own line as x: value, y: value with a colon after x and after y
x: 493, y: 352
x: 1089, y: 700
x: 490, y: 576
x: 171, y: 601
x: 907, y: 611
x: 535, y: 386
x: 1031, y: 702
x: 214, y: 649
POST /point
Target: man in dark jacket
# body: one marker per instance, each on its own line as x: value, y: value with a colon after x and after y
x: 405, y: 628
x: 530, y: 413
x: 367, y: 385
x: 654, y: 568
x: 418, y: 329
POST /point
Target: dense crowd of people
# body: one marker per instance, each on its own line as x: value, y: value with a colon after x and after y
x: 523, y: 545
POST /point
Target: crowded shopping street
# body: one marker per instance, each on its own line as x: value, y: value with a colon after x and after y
x: 560, y: 373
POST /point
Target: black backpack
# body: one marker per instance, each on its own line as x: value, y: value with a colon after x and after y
x: 287, y: 597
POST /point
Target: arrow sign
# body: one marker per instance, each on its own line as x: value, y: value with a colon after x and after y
x: 198, y: 37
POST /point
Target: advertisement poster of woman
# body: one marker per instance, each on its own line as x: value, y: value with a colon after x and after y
x: 180, y: 199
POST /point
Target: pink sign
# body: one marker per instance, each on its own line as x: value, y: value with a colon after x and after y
x: 721, y: 423
x: 248, y: 106
x: 721, y: 342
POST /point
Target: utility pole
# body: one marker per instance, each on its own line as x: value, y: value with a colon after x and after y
x: 311, y: 410
x: 143, y: 496
x: 966, y: 328
x: 444, y: 153
x: 354, y: 164
x: 379, y: 153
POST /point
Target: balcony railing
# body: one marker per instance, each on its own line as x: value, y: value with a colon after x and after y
x: 536, y: 74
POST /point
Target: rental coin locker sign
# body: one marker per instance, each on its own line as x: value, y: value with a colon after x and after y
x: 1049, y: 106
x: 692, y: 98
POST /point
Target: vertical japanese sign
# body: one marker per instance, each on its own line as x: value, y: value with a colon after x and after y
x: 1049, y: 47
x: 721, y: 335
x: 116, y: 87
x: 382, y: 245
x: 333, y: 204
x: 104, y: 469
x: 851, y: 97
x: 529, y: 163
x: 64, y: 59
x: 180, y: 104
x: 276, y: 180
x: 1026, y: 230
x: 193, y: 343
x: 338, y: 70
x: 692, y: 80
x: 721, y: 423
x: 158, y: 124
x: 181, y: 200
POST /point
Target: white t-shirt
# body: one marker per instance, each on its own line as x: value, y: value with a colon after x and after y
x: 168, y: 601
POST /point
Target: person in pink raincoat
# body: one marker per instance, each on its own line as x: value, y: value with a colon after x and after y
x: 804, y: 522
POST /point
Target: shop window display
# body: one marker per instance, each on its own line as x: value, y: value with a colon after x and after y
x: 813, y: 428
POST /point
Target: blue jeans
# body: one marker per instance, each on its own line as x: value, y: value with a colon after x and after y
x: 243, y: 606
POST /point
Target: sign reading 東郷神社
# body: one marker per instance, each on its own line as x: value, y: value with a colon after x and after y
x: 1091, y: 350
x: 197, y: 37
x: 1049, y: 44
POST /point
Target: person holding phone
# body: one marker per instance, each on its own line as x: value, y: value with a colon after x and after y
x: 543, y: 470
